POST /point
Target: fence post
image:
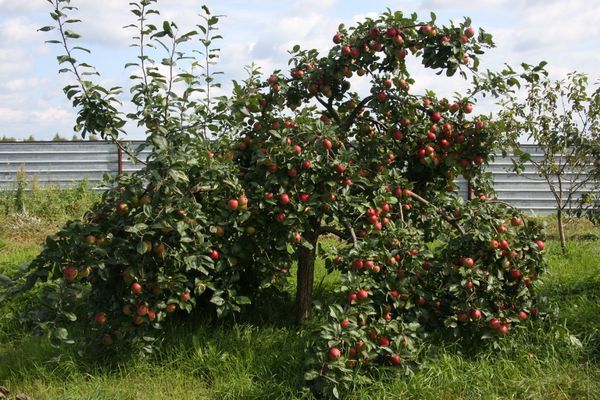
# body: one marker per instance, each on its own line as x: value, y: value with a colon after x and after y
x: 119, y: 161
x: 469, y: 190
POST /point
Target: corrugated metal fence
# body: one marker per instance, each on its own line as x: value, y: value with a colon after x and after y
x: 63, y: 163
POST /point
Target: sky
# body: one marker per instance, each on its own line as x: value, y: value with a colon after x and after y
x: 565, y: 33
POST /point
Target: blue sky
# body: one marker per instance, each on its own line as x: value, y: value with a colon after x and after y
x: 566, y: 33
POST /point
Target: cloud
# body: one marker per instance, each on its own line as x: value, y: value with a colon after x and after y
x: 51, y: 115
x: 21, y: 84
x: 459, y: 4
x: 14, y: 60
x: 12, y: 6
x: 19, y: 29
x: 9, y: 115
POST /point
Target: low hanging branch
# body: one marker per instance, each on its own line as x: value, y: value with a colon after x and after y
x: 351, y: 231
x: 349, y: 235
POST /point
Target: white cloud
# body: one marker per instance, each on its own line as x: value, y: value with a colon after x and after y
x: 21, y: 84
x: 13, y: 60
x: 16, y: 6
x: 51, y: 115
x: 9, y: 115
x: 445, y: 4
x: 19, y: 30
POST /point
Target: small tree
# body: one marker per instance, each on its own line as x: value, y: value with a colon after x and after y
x: 562, y: 119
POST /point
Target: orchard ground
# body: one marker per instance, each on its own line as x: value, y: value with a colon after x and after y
x: 262, y: 357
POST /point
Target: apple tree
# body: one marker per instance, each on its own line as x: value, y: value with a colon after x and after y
x: 295, y: 156
x: 378, y: 171
x: 163, y: 240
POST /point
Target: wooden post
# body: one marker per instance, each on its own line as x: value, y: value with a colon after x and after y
x: 119, y: 161
x: 469, y: 190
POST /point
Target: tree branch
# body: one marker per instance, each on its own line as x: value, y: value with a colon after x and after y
x: 451, y: 221
x: 355, y: 112
x: 331, y: 230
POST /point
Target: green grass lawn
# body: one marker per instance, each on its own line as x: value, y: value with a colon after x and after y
x: 262, y: 356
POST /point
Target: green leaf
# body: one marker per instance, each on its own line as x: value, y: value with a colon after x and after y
x: 61, y: 333
x: 141, y: 247
x: 70, y: 316
x: 218, y: 301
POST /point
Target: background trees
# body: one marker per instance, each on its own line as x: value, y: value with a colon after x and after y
x: 562, y: 118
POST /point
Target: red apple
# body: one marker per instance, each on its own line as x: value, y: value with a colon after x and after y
x: 171, y: 307
x: 337, y: 38
x: 398, y: 135
x: 123, y: 208
x: 327, y: 144
x: 334, y: 353
x: 540, y: 245
x: 523, y: 315
x: 340, y: 168
x: 142, y: 310
x: 516, y: 221
x: 383, y: 341
x: 470, y: 32
x: 475, y: 314
x: 435, y: 117
x: 304, y: 197
x: 495, y: 323
x: 362, y: 294
x: 233, y: 204
x: 280, y: 217
x: 284, y: 198
x: 214, y: 254
x: 100, y: 318
x: 136, y: 288
x: 426, y: 29
x: 468, y: 262
x: 70, y: 274
x: 185, y: 296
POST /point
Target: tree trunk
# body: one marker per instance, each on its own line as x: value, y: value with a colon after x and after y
x: 561, y: 229
x: 305, y: 278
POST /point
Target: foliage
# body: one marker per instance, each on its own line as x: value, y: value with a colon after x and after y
x: 562, y: 118
x: 160, y: 240
x: 298, y: 156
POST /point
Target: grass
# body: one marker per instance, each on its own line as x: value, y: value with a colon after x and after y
x: 262, y: 356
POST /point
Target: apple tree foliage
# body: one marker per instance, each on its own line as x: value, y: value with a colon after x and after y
x: 298, y: 155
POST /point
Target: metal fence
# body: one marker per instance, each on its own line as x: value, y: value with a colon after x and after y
x: 63, y: 163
